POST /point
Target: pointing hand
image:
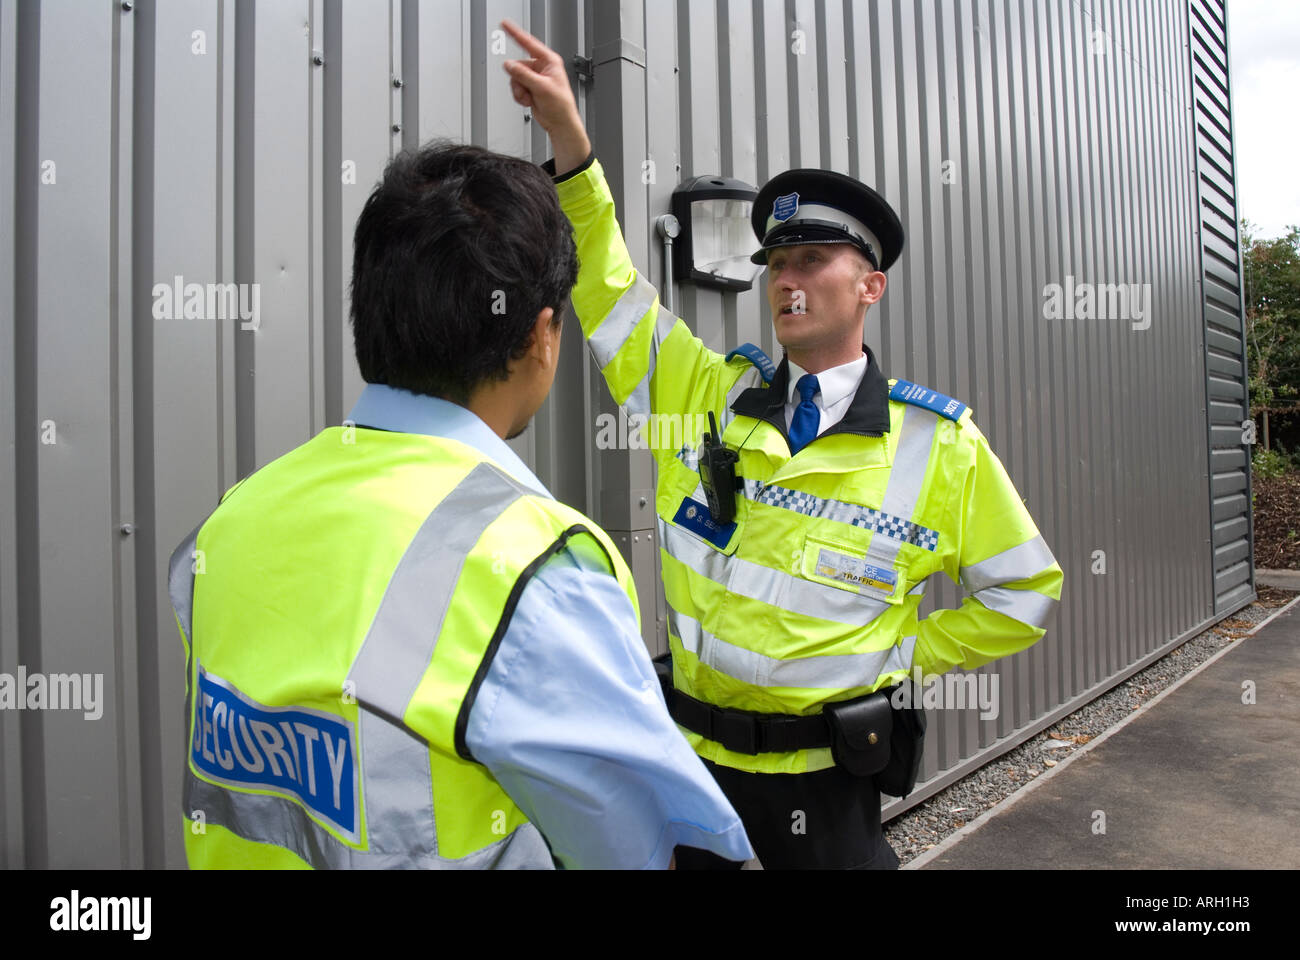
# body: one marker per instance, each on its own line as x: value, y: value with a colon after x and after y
x: 542, y: 84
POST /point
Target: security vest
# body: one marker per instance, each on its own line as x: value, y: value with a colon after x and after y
x: 340, y: 610
x: 810, y: 596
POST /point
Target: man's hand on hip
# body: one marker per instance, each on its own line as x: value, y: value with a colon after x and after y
x: 542, y: 85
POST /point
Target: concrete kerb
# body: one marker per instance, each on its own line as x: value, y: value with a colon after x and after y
x: 1282, y: 579
x: 953, y: 839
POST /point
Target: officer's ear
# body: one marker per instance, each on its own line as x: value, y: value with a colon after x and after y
x: 872, y: 286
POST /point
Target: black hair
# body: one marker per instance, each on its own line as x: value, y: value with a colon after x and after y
x: 456, y: 252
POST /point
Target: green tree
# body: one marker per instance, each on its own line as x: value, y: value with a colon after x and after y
x: 1271, y: 270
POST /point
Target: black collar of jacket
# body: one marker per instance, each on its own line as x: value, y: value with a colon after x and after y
x: 867, y: 415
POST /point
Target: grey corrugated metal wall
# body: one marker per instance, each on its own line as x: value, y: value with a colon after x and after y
x: 1220, y: 276
x: 1021, y: 144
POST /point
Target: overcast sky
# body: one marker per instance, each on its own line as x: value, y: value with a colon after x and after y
x: 1264, y: 36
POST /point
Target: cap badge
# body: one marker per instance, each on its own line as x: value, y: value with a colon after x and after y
x: 783, y: 208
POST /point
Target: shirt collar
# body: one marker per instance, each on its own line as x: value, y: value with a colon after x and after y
x: 835, y: 383
x: 400, y: 411
x: 868, y: 414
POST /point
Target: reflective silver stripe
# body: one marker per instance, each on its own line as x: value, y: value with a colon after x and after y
x: 867, y: 518
x: 632, y: 306
x: 831, y: 672
x: 399, y: 645
x: 1027, y: 606
x: 266, y: 818
x: 397, y: 789
x: 748, y: 579
x: 180, y: 591
x: 906, y: 654
x: 638, y: 400
x: 747, y: 380
x: 180, y: 582
x: 1018, y: 563
x: 906, y: 476
x: 664, y: 323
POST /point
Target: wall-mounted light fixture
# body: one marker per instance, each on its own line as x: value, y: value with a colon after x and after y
x: 716, y: 239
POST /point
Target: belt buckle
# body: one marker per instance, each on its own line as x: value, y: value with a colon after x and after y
x: 734, y: 731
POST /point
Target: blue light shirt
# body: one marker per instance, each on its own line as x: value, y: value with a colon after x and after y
x: 570, y: 719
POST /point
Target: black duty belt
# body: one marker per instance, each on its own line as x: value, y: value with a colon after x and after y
x: 745, y: 731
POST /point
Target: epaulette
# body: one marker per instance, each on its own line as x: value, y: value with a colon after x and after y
x: 766, y: 369
x: 908, y: 392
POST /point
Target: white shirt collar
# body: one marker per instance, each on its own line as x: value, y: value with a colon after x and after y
x: 835, y: 384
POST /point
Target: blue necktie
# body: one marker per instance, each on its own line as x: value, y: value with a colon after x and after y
x: 807, y: 418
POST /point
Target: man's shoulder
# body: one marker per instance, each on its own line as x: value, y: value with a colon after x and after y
x: 940, y: 404
x: 586, y: 545
x: 270, y: 473
x: 746, y: 358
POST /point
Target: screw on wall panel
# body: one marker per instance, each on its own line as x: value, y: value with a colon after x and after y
x: 127, y: 5
x: 317, y: 59
x: 126, y: 529
x: 397, y: 82
x: 641, y: 502
x: 397, y: 128
x: 528, y: 118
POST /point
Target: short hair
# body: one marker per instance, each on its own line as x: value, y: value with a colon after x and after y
x: 456, y: 252
x: 861, y: 259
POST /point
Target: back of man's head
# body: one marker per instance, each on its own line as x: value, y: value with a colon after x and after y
x: 456, y: 253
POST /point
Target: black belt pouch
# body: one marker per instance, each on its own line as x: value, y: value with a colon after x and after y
x: 860, y: 733
x: 906, y: 744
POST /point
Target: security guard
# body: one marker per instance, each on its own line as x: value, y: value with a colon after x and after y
x: 797, y: 544
x: 402, y: 651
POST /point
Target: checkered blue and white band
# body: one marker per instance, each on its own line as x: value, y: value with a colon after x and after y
x: 867, y: 518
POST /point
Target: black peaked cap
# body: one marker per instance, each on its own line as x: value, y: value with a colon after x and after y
x: 827, y: 188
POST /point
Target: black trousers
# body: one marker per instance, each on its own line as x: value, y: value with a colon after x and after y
x: 828, y: 819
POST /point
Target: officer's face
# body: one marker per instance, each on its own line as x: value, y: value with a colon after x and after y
x: 818, y: 294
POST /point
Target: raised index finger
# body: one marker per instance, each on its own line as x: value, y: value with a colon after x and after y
x: 526, y: 40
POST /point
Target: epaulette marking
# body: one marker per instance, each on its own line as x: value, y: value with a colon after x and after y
x: 766, y: 369
x: 913, y: 393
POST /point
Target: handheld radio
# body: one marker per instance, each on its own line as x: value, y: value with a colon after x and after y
x: 718, y: 474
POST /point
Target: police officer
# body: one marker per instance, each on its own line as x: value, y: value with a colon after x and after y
x: 402, y: 651
x: 797, y: 540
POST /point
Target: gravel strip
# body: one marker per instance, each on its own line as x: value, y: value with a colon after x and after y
x: 925, y: 825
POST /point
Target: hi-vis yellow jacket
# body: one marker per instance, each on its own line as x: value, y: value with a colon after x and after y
x: 811, y: 595
x: 340, y: 610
